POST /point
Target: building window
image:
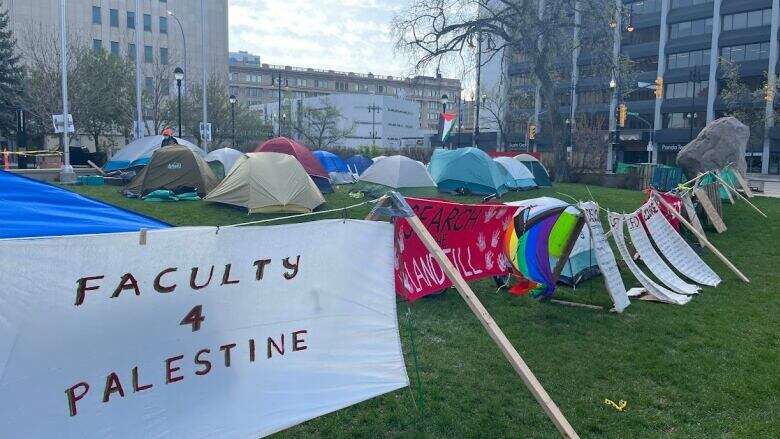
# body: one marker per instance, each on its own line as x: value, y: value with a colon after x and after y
x: 645, y: 6
x: 300, y: 82
x: 149, y: 84
x: 165, y: 87
x: 163, y: 25
x: 148, y: 54
x: 113, y: 17
x: 97, y: 45
x: 686, y: 3
x: 253, y: 78
x: 147, y: 23
x: 743, y: 20
x: 688, y: 59
x: 746, y: 52
x: 319, y: 83
x: 683, y: 120
x: 342, y: 86
x: 115, y: 48
x: 685, y: 89
x: 96, y: 19
x: 130, y: 20
x: 689, y: 28
x: 131, y: 51
x: 164, y: 56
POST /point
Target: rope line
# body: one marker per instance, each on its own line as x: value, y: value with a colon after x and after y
x: 301, y: 215
x: 420, y: 391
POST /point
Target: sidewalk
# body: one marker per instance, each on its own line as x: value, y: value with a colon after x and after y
x: 771, y: 184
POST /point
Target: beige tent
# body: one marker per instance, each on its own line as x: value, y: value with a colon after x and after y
x: 268, y: 182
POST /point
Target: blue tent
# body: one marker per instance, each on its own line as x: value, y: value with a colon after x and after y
x: 468, y: 170
x: 139, y: 152
x: 331, y: 162
x: 336, y: 168
x: 31, y: 208
x: 357, y: 164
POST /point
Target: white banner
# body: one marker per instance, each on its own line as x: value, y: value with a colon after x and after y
x: 604, y: 256
x: 674, y: 248
x: 616, y: 222
x: 653, y: 260
x: 236, y: 332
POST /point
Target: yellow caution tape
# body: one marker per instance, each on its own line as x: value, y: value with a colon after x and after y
x: 620, y: 406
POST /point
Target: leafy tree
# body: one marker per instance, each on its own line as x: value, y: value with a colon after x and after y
x: 322, y: 126
x: 101, y: 87
x: 743, y: 103
x: 434, y: 31
x: 10, y: 74
x: 250, y: 127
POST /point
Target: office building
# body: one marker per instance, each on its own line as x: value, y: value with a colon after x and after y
x: 257, y: 83
x: 678, y: 44
x: 111, y: 25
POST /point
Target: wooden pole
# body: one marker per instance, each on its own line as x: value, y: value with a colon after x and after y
x: 702, y: 237
x: 688, y: 204
x: 575, y: 304
x: 495, y: 332
x: 710, y: 210
x: 730, y: 188
x: 743, y: 183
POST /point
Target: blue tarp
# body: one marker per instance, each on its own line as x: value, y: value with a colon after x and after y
x: 358, y: 164
x: 331, y: 162
x: 31, y: 208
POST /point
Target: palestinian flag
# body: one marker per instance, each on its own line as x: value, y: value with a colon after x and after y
x: 448, y: 120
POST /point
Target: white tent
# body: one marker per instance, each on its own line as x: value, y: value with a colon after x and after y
x: 378, y: 158
x: 521, y: 177
x: 268, y: 182
x: 226, y: 156
x: 139, y: 152
x: 398, y: 172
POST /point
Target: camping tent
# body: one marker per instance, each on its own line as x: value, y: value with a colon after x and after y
x: 397, y: 172
x: 138, y: 153
x: 357, y: 164
x: 336, y: 168
x: 302, y: 153
x: 541, y: 176
x: 33, y: 208
x: 221, y: 160
x: 581, y: 264
x: 378, y: 158
x: 468, y: 170
x: 268, y: 182
x: 519, y: 176
x: 175, y: 168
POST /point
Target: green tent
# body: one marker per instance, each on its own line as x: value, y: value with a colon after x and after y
x: 468, y: 170
x: 726, y: 174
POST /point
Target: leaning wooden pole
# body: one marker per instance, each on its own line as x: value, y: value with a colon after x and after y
x: 701, y: 237
x: 495, y: 332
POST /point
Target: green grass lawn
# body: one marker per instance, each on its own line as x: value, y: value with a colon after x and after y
x: 707, y: 369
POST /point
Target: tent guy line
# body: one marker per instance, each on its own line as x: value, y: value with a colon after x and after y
x: 268, y: 220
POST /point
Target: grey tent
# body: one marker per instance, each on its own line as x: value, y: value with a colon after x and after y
x: 268, y: 182
x: 222, y: 160
x: 398, y: 172
x: 176, y: 168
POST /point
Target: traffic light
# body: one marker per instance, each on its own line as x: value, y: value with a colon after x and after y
x: 622, y: 115
x: 532, y: 131
x: 659, y: 87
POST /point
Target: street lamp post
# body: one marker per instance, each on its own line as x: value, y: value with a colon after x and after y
x: 178, y: 74
x: 373, y: 109
x: 233, y: 118
x: 278, y: 81
x: 66, y: 172
x: 694, y: 76
x: 460, y: 119
x: 184, y: 48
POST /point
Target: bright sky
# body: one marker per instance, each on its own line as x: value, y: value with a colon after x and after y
x: 345, y: 35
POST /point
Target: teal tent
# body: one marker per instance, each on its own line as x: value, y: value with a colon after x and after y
x: 541, y: 176
x: 467, y: 170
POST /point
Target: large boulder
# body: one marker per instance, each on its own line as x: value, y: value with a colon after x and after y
x: 722, y: 142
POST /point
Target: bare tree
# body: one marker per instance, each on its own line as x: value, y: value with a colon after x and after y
x: 323, y: 126
x: 429, y: 30
x: 744, y: 103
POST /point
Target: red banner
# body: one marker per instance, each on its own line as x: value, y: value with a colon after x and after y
x: 470, y: 234
x: 674, y: 201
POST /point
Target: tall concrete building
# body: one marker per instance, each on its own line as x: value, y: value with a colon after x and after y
x: 111, y: 26
x: 257, y: 83
x: 680, y: 43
